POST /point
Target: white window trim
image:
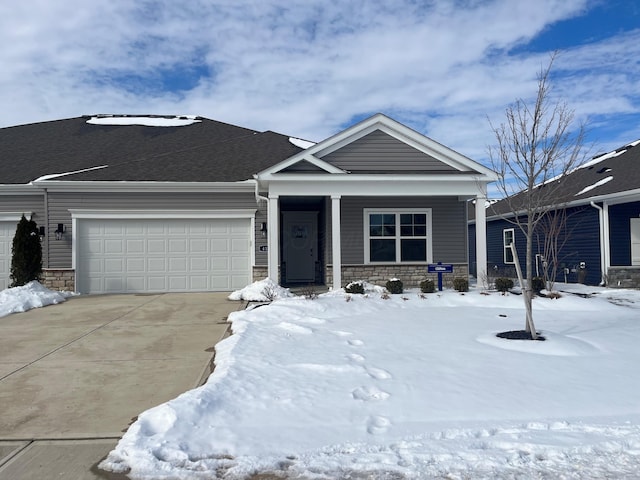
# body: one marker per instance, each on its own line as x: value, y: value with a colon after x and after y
x: 504, y: 245
x: 398, y: 237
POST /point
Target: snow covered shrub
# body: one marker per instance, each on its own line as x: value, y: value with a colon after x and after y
x: 461, y: 284
x: 395, y: 286
x: 503, y: 284
x: 355, y: 287
x: 537, y: 284
x: 427, y: 286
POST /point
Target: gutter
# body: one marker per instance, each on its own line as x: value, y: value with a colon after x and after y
x: 603, y: 214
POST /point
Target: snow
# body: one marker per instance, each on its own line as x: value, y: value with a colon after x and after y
x: 261, y: 291
x: 56, y: 175
x: 407, y: 386
x: 298, y: 142
x: 147, y: 121
x: 595, y: 185
x: 31, y: 295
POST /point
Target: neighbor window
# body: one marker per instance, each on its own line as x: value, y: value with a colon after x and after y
x: 508, y: 238
x: 397, y: 236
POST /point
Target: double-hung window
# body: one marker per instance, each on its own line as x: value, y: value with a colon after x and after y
x: 508, y: 238
x: 397, y: 236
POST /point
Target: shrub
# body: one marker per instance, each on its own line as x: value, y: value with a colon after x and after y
x: 537, y: 285
x: 26, y: 259
x: 461, y: 284
x: 394, y: 286
x: 427, y: 286
x: 354, y: 287
x: 503, y: 284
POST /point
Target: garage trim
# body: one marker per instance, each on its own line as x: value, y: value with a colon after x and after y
x: 80, y: 214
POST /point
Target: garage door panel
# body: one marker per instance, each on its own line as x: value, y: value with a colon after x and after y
x: 114, y: 265
x: 178, y: 264
x: 135, y: 245
x: 178, y: 245
x: 163, y: 255
x: 135, y: 265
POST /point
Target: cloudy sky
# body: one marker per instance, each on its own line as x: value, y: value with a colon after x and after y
x: 309, y: 68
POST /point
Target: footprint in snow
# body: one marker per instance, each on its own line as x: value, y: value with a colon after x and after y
x: 341, y: 333
x: 367, y: 394
x: 356, y: 358
x: 378, y: 373
x: 356, y: 343
x: 377, y: 424
x: 293, y: 328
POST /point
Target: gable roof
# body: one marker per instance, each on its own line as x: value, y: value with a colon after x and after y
x: 200, y: 151
x: 359, y: 141
x: 610, y: 176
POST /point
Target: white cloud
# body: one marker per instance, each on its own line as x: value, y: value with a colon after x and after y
x: 304, y: 67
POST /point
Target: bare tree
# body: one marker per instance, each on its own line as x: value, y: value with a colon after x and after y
x: 536, y: 149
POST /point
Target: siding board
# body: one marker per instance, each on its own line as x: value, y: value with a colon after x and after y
x: 379, y: 151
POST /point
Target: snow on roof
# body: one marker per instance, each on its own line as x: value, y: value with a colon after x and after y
x: 615, y: 153
x: 56, y: 175
x: 298, y: 142
x: 144, y: 120
x: 597, y: 184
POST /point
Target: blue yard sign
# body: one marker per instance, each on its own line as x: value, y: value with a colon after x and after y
x: 440, y: 268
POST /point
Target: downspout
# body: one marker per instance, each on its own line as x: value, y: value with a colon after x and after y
x: 604, y: 243
x: 46, y: 226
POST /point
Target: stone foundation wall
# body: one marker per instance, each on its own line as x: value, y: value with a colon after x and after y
x: 623, y: 277
x: 59, y: 279
x: 411, y: 275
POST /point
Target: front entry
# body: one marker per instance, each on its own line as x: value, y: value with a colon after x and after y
x: 300, y: 246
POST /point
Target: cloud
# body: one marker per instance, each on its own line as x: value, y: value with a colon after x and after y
x: 303, y: 67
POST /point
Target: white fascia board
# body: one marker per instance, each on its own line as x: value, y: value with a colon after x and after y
x: 77, y: 213
x: 169, y: 187
x: 301, y: 157
x: 353, y: 186
x: 14, y: 216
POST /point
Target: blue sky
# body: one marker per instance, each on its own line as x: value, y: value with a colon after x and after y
x: 309, y: 68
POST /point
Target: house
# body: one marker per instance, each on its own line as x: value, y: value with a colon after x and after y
x: 601, y: 240
x: 155, y: 204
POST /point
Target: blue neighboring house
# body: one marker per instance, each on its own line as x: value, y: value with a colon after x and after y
x: 602, y: 244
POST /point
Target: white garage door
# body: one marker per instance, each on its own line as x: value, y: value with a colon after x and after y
x: 162, y: 255
x: 7, y: 232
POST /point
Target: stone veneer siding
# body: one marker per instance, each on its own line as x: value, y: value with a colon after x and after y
x: 59, y: 279
x: 623, y: 277
x: 410, y: 275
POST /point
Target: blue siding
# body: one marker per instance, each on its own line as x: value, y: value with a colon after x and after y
x: 619, y: 232
x: 582, y: 245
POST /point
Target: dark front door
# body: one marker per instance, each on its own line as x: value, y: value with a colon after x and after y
x: 300, y: 246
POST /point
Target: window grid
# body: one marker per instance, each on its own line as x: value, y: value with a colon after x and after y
x: 508, y: 238
x: 398, y: 236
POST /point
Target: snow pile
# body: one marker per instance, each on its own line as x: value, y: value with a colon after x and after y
x: 298, y: 142
x: 261, y: 291
x: 146, y: 121
x: 31, y: 295
x: 412, y: 387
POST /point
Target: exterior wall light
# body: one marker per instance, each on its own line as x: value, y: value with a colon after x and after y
x: 42, y: 232
x: 60, y: 231
x: 263, y: 229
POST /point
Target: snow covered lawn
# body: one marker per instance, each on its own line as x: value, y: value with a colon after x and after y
x: 352, y: 386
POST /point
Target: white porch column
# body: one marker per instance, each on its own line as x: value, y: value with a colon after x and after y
x: 481, y: 236
x: 273, y: 238
x: 335, y: 241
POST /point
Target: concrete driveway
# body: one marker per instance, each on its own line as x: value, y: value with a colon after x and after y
x: 74, y: 375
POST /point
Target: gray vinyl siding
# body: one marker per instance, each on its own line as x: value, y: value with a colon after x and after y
x: 448, y: 225
x: 61, y: 203
x: 379, y: 151
x: 27, y: 204
x: 303, y: 167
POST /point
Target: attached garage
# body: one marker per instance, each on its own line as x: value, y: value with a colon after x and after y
x: 138, y: 255
x: 7, y: 231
